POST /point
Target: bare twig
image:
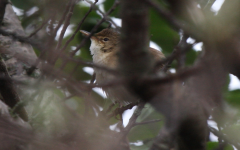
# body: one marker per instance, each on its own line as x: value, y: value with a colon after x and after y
x: 180, y: 49
x: 22, y: 38
x: 110, y: 108
x: 107, y: 18
x: 178, y: 53
x: 122, y: 109
x: 38, y: 29
x: 224, y: 137
x: 132, y: 120
x: 177, y: 24
x: 147, y: 122
x: 66, y: 24
x: 79, y: 26
x: 51, y: 39
x: 75, y: 32
x: 9, y: 92
x: 93, y: 78
x: 3, y: 4
x: 70, y: 3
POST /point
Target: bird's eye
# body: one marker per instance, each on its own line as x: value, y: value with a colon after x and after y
x: 105, y: 39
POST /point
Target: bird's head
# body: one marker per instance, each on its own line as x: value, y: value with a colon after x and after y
x: 104, y: 42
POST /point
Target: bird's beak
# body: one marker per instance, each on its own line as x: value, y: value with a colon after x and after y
x: 87, y: 34
x: 84, y: 32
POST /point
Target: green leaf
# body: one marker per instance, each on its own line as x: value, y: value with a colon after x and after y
x: 162, y: 34
x: 146, y: 131
x: 149, y: 113
x: 108, y: 4
x: 23, y: 4
x: 191, y: 57
x: 228, y: 147
x: 233, y: 98
x: 214, y: 145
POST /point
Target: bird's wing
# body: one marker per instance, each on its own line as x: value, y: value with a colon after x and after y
x: 158, y: 55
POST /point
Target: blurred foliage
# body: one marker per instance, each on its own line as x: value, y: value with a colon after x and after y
x: 147, y: 131
x: 214, y: 145
x: 142, y: 147
x: 233, y: 98
x: 108, y: 4
x: 162, y: 34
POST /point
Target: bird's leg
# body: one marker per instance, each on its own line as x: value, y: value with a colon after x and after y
x: 110, y: 108
x: 93, y: 78
x: 120, y: 123
x: 120, y: 110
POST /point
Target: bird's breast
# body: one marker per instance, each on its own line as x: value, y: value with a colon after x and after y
x: 106, y: 59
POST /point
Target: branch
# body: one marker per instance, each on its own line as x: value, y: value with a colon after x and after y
x: 3, y: 4
x: 9, y: 93
x: 21, y: 38
x: 66, y: 24
x: 70, y: 3
x: 122, y: 109
x: 147, y: 122
x: 134, y: 56
x: 178, y: 53
x: 78, y: 27
x: 132, y: 120
x: 180, y: 49
x: 39, y: 28
x: 224, y: 137
x: 74, y: 34
x: 177, y: 24
x: 107, y: 18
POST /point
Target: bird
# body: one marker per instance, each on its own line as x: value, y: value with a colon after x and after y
x: 104, y: 48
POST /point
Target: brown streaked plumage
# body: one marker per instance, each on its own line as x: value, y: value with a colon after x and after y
x: 104, y: 47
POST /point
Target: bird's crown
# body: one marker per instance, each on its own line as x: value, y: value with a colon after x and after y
x: 108, y: 32
x: 108, y: 35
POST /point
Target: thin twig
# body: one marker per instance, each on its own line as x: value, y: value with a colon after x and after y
x: 147, y: 122
x: 93, y: 78
x: 182, y: 74
x: 224, y: 137
x: 47, y: 46
x: 110, y: 108
x: 176, y: 24
x: 38, y: 29
x: 22, y: 38
x: 66, y: 24
x: 9, y: 93
x: 107, y: 18
x: 70, y: 3
x: 79, y: 26
x: 176, y: 52
x: 132, y: 120
x: 122, y: 109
